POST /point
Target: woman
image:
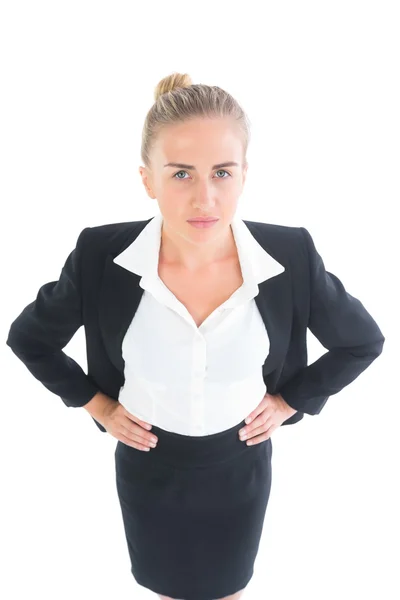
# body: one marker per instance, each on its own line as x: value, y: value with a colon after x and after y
x: 190, y: 317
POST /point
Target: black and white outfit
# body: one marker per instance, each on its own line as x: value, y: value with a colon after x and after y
x: 193, y: 507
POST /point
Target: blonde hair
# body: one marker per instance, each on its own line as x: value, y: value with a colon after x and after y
x: 177, y: 100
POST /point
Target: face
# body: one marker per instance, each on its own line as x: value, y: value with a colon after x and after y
x: 199, y: 188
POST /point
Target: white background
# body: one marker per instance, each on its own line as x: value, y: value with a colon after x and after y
x: 320, y: 83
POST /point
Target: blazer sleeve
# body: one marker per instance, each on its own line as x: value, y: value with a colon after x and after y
x: 46, y: 325
x: 344, y: 327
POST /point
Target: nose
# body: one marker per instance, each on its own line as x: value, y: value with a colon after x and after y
x: 204, y: 198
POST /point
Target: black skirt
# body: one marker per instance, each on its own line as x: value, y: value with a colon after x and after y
x: 193, y: 510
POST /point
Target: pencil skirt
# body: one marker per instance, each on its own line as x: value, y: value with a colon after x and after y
x: 193, y: 511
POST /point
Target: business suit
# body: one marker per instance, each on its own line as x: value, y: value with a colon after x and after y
x: 95, y: 292
x: 193, y: 508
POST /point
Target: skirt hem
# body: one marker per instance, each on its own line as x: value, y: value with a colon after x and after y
x: 180, y: 595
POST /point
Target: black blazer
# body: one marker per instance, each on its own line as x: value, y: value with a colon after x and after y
x: 95, y: 292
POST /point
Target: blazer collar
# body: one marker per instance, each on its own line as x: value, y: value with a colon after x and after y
x: 266, y: 280
x: 141, y: 256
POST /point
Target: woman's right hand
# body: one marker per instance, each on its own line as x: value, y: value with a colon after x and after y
x: 126, y: 427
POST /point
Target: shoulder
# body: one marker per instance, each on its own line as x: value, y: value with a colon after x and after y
x: 111, y: 237
x: 112, y: 230
x: 273, y: 230
x: 285, y: 242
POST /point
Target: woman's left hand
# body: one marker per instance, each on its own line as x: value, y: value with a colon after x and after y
x: 265, y: 418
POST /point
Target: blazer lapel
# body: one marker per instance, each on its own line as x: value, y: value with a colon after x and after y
x: 120, y: 295
x: 276, y: 308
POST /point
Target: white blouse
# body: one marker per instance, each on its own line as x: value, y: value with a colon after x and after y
x: 187, y: 379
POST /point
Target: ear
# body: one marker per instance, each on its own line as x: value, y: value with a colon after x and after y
x: 146, y: 179
x: 244, y: 174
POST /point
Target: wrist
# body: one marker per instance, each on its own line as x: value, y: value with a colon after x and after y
x: 98, y: 405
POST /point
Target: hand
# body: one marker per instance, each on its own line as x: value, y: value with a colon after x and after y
x: 126, y: 427
x: 268, y: 416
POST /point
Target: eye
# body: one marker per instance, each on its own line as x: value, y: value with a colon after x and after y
x: 223, y: 171
x: 178, y: 174
x: 219, y: 171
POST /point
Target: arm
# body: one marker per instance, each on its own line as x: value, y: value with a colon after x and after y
x: 46, y: 325
x: 98, y: 406
x: 344, y: 327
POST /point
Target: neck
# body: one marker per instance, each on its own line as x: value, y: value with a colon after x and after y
x: 177, y: 251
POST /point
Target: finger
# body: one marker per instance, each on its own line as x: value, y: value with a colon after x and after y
x: 133, y: 444
x: 139, y: 435
x: 254, y: 432
x: 260, y: 438
x: 258, y: 410
x: 252, y: 416
x: 137, y: 420
x: 259, y: 424
x: 257, y: 440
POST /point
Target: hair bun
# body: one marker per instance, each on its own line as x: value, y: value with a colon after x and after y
x: 172, y: 82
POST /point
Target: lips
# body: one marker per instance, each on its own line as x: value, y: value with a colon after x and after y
x: 203, y: 219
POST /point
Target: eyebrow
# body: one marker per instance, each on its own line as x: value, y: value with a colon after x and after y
x: 219, y: 166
